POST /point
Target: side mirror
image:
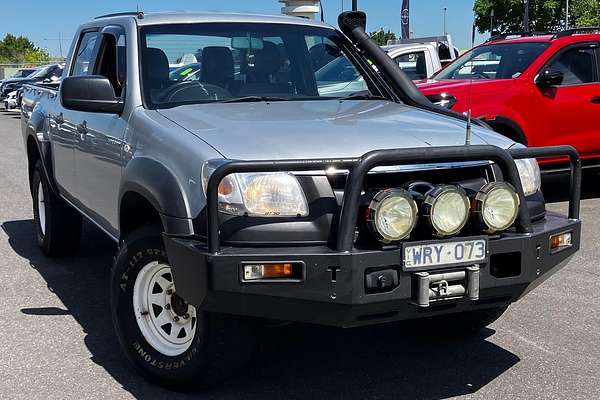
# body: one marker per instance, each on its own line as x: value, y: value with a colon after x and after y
x: 549, y: 78
x: 92, y: 93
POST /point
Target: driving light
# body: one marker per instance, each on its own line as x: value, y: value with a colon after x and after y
x: 446, y: 208
x: 392, y: 215
x: 529, y: 172
x: 497, y: 206
x: 275, y: 194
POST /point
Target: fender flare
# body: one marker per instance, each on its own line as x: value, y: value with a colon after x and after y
x: 510, y: 123
x: 35, y: 130
x: 157, y: 184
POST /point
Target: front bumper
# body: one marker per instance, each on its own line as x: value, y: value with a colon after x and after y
x: 333, y: 289
x: 212, y: 281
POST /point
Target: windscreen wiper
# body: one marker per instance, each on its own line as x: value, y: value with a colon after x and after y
x: 363, y: 96
x: 249, y: 99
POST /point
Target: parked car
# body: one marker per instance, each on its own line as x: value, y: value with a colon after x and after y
x: 363, y: 208
x: 47, y: 74
x: 21, y: 73
x: 538, y: 90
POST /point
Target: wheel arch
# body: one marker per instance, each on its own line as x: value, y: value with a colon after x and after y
x: 151, y: 193
x: 37, y: 146
x: 509, y: 128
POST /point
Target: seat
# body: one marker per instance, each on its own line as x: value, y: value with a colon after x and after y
x: 262, y: 77
x: 217, y: 66
x: 156, y: 69
x: 421, y: 67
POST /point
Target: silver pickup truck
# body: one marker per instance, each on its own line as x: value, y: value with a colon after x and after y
x: 248, y: 194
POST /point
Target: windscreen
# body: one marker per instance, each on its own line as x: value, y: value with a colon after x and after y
x: 205, y: 63
x: 494, y: 61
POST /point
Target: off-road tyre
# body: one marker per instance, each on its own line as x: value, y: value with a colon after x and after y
x: 57, y: 224
x: 221, y: 344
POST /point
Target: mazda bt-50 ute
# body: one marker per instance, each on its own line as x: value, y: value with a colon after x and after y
x: 248, y: 193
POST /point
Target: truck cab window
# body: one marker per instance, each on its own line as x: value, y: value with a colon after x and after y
x: 413, y: 64
x: 85, y: 56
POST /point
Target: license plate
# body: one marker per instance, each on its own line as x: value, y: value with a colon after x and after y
x: 439, y: 254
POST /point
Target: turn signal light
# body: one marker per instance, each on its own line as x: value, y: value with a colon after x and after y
x: 273, y: 271
x: 561, y: 241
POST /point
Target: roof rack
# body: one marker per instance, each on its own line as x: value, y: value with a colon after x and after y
x: 503, y: 36
x: 138, y: 14
x: 575, y: 31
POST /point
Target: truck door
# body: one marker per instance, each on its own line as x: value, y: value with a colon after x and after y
x: 568, y: 113
x: 100, y: 137
x: 64, y: 122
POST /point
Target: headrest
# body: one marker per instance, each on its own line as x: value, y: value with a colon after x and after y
x: 268, y: 60
x: 217, y: 65
x: 156, y: 66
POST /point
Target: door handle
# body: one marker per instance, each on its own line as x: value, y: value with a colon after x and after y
x: 595, y: 100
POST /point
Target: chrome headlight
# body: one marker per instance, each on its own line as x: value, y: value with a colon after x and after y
x: 276, y: 194
x: 392, y: 215
x: 445, y: 100
x: 497, y: 206
x: 446, y: 208
x: 531, y: 178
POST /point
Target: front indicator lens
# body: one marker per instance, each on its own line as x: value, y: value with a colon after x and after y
x: 497, y: 206
x: 272, y: 271
x: 561, y: 241
x: 392, y: 215
x: 446, y: 208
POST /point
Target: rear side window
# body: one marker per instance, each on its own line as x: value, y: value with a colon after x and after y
x: 578, y: 65
x: 86, y: 54
x: 413, y: 64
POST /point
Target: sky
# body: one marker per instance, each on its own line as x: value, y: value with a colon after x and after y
x: 45, y: 24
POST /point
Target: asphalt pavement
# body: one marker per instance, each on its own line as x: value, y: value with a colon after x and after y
x: 57, y: 342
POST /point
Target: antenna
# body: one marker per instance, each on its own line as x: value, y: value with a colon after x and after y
x: 322, y: 11
x: 469, y: 129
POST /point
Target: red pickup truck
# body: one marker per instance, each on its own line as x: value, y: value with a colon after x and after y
x: 537, y: 89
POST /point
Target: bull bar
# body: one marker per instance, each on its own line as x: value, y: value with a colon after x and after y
x: 333, y: 289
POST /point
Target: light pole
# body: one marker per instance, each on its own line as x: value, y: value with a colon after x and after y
x: 492, y: 22
x: 567, y: 16
x: 445, y: 11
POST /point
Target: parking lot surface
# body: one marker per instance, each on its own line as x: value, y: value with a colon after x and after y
x: 56, y: 337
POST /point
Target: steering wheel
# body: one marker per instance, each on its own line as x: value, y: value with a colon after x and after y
x: 193, y: 91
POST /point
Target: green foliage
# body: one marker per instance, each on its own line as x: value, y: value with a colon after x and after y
x: 381, y: 37
x: 21, y: 50
x: 544, y: 15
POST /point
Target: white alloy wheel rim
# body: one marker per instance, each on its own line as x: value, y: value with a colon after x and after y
x: 41, y: 208
x: 166, y: 322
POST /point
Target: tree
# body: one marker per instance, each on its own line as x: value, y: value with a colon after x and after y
x: 21, y: 50
x: 381, y: 37
x: 544, y: 15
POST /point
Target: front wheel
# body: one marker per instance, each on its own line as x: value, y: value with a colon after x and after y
x: 168, y: 340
